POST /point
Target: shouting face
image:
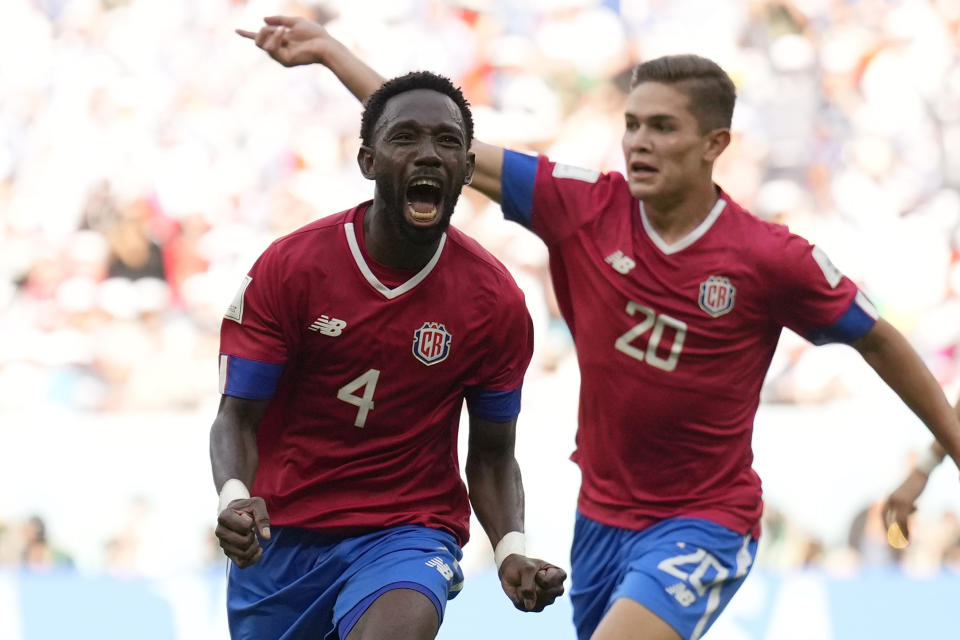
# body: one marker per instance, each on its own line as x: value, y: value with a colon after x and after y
x: 420, y: 162
x: 666, y: 153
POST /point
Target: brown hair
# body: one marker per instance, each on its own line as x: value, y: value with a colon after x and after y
x: 708, y: 88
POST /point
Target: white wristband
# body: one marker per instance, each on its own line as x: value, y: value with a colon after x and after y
x: 232, y: 489
x: 512, y: 542
x: 927, y: 462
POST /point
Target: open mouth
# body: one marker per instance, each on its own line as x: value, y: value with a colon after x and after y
x: 423, y: 199
x: 642, y: 168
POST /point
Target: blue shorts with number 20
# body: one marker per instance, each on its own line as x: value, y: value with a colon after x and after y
x: 685, y: 570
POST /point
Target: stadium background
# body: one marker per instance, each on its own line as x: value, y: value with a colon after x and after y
x: 148, y: 154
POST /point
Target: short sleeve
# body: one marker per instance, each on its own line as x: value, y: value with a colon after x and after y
x: 553, y: 199
x: 509, y: 347
x: 256, y: 333
x: 812, y: 297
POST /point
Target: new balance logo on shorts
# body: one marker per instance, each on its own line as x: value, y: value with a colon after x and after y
x: 328, y: 326
x: 683, y: 595
x: 441, y: 566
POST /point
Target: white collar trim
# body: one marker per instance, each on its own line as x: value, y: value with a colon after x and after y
x: 688, y: 239
x: 387, y: 292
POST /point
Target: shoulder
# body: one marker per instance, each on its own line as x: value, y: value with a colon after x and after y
x: 760, y: 238
x: 302, y: 246
x: 476, y: 264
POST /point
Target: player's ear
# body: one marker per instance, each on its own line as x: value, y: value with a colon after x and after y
x: 714, y: 144
x: 365, y: 161
x: 471, y: 166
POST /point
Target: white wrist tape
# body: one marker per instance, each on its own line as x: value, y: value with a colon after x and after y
x: 233, y: 489
x: 512, y: 542
x: 927, y: 462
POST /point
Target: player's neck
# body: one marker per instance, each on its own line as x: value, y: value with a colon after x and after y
x: 385, y: 245
x: 674, y: 218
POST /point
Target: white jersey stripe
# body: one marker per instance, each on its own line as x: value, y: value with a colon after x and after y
x: 387, y: 292
x: 687, y: 240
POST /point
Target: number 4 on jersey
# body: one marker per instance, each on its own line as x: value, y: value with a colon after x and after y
x: 368, y: 382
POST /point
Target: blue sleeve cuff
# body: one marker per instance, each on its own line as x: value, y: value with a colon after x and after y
x: 496, y: 406
x: 516, y: 183
x: 250, y: 379
x: 852, y: 325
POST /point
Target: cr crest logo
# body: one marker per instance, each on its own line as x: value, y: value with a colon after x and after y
x: 431, y: 343
x: 717, y: 295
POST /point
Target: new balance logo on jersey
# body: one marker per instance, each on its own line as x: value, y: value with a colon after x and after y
x: 620, y: 263
x: 682, y: 593
x: 717, y: 295
x: 328, y: 326
x: 441, y: 566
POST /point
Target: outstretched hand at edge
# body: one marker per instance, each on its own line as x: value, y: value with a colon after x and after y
x: 290, y: 41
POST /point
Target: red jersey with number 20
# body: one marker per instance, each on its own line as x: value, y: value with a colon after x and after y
x: 673, y: 341
x: 367, y: 369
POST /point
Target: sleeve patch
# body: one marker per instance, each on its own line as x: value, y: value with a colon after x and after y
x: 856, y: 321
x: 577, y: 173
x: 235, y: 310
x: 516, y: 181
x: 249, y: 379
x: 496, y: 406
x: 830, y: 272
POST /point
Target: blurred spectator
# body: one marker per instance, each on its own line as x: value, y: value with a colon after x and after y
x: 138, y: 180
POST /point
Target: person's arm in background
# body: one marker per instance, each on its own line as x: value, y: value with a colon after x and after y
x: 496, y: 493
x: 298, y: 41
x: 903, y: 500
x: 233, y: 458
x: 898, y: 364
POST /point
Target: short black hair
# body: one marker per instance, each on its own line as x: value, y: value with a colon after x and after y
x: 373, y: 108
x: 709, y: 90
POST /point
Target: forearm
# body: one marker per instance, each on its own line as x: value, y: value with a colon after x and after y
x: 496, y: 493
x: 359, y: 78
x: 896, y: 362
x: 489, y: 171
x: 233, y: 450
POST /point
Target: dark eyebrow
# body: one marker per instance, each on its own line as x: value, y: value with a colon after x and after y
x: 410, y: 123
x: 655, y: 118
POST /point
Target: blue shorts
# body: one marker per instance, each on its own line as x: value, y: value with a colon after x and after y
x: 685, y: 570
x: 311, y: 585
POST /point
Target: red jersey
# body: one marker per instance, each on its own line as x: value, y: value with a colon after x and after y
x: 367, y: 368
x: 673, y: 341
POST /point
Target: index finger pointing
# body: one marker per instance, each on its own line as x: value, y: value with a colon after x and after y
x: 246, y: 34
x: 280, y: 21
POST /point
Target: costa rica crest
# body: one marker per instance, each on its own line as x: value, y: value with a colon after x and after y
x: 431, y: 343
x: 717, y: 295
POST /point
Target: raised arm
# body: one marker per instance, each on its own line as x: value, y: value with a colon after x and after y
x: 297, y: 41
x: 233, y: 457
x: 496, y: 493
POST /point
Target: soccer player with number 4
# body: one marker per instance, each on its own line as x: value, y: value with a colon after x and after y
x: 346, y: 356
x: 675, y: 297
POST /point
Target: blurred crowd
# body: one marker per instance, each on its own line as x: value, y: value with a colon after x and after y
x: 148, y: 155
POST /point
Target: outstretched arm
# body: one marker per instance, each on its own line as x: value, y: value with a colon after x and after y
x: 496, y: 493
x: 903, y: 500
x: 892, y: 357
x: 297, y: 41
